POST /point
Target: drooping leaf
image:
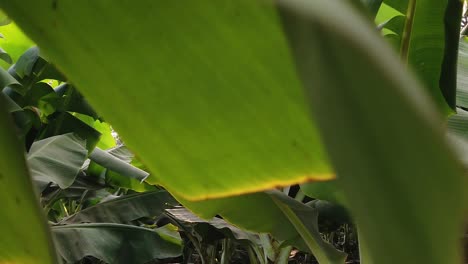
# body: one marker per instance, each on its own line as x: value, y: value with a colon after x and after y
x: 11, y: 105
x: 385, y: 182
x: 251, y: 133
x: 5, y: 56
x: 63, y: 122
x: 269, y: 218
x: 395, y: 24
x: 24, y: 233
x: 209, y: 229
x: 56, y: 159
x: 6, y: 79
x: 25, y: 64
x: 107, y: 140
x: 114, y: 243
x: 125, y: 208
x: 328, y: 191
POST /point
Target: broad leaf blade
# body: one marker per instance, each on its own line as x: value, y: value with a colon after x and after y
x: 430, y: 46
x: 385, y: 182
x: 25, y: 237
x: 56, y: 159
x: 227, y: 117
x: 114, y: 243
x: 125, y: 209
x: 205, y: 228
x: 261, y: 213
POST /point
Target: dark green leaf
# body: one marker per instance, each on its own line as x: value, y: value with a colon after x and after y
x: 25, y: 64
x: 430, y: 47
x: 56, y: 159
x: 373, y: 6
x: 64, y: 122
x: 11, y: 105
x: 6, y: 79
x: 4, y: 56
x: 125, y: 208
x: 215, y: 227
x: 399, y: 5
x: 269, y: 217
x: 114, y: 243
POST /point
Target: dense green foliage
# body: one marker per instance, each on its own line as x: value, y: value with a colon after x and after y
x: 264, y: 118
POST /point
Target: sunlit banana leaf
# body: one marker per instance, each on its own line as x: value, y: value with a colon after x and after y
x: 392, y: 161
x: 24, y: 232
x: 218, y: 110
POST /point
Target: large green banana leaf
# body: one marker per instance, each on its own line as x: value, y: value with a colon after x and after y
x: 384, y: 135
x: 115, y: 243
x: 429, y: 43
x: 205, y: 94
x: 222, y: 68
x: 24, y: 234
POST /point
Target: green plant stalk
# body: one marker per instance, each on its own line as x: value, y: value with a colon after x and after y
x: 226, y: 251
x: 261, y: 258
x: 407, y: 31
x: 364, y: 256
x: 283, y: 256
x: 268, y: 249
x: 305, y: 234
x: 252, y: 256
x: 192, y: 239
